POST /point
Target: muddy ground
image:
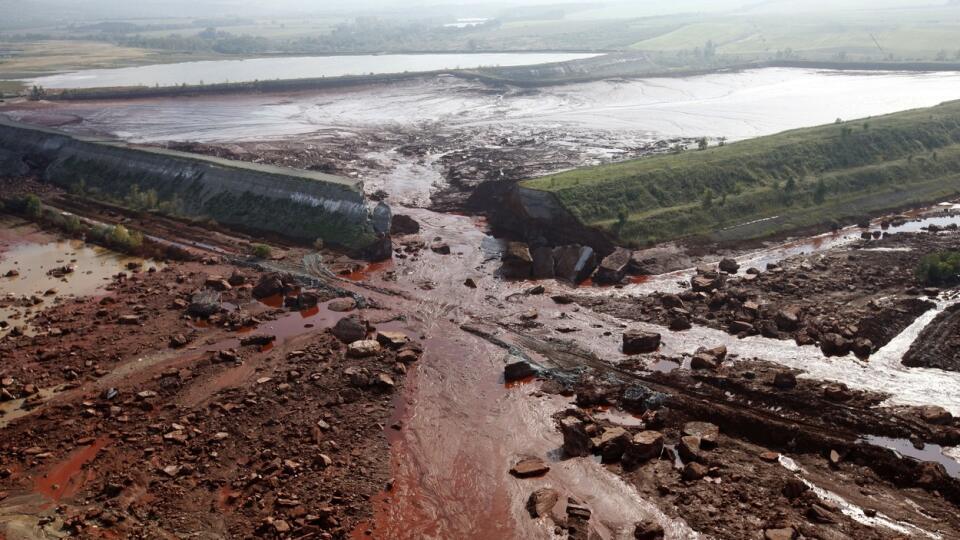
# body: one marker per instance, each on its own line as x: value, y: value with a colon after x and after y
x: 140, y: 417
x: 853, y: 298
x: 756, y: 463
x: 447, y: 170
x: 137, y: 413
x: 939, y: 344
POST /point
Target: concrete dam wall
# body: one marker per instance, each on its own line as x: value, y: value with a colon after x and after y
x: 299, y: 205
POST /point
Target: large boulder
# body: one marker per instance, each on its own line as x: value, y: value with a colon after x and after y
x: 729, y: 266
x: 639, y: 399
x: 643, y: 447
x: 640, y: 342
x: 834, y: 345
x: 788, y: 318
x: 544, y: 266
x: 204, y: 303
x: 648, y: 530
x: 350, y: 329
x: 576, y: 441
x: 401, y: 224
x: 517, y: 261
x: 518, y: 371
x: 862, y: 347
x: 269, y: 285
x: 934, y: 414
x: 542, y: 501
x: 574, y: 263
x: 708, y: 433
x: 612, y: 443
x: 613, y: 267
x: 706, y: 280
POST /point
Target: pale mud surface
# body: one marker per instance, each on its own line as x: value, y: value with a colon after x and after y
x: 415, y: 137
x: 33, y: 254
x: 291, y: 67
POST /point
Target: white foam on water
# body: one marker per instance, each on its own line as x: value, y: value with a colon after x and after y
x: 851, y: 510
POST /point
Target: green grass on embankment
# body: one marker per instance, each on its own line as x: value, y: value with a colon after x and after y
x: 791, y: 180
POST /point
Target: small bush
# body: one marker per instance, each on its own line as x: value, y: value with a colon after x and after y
x: 939, y: 268
x: 262, y: 251
x: 121, y: 239
x: 31, y: 206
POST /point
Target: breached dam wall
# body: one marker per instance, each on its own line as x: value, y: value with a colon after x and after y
x: 300, y: 205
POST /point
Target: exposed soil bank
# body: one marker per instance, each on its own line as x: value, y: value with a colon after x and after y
x: 937, y: 346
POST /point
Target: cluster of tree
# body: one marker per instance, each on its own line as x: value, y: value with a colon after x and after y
x: 940, y: 268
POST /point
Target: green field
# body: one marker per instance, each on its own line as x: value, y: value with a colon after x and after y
x: 791, y: 180
x: 902, y: 35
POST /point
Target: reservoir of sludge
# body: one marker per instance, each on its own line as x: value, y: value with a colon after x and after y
x: 293, y: 67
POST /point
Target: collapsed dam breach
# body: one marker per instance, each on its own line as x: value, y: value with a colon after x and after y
x: 303, y: 206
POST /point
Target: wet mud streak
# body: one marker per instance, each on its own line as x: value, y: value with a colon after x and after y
x: 66, y: 479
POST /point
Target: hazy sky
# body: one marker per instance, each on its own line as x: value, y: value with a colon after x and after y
x: 62, y: 10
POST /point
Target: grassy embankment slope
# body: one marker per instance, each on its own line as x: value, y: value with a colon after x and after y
x: 789, y: 181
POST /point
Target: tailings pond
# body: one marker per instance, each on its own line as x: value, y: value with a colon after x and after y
x: 293, y: 67
x: 423, y: 135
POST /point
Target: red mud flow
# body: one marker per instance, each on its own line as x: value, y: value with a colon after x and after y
x: 68, y: 477
x: 447, y: 479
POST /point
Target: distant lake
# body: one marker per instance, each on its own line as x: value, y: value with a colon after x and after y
x: 301, y: 67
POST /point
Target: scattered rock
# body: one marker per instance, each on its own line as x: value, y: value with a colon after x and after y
x: 518, y: 370
x: 640, y: 342
x: 392, y: 340
x: 529, y: 467
x: 709, y: 434
x: 648, y: 530
x: 694, y: 471
x: 643, y: 447
x: 258, y: 340
x: 576, y: 441
x: 780, y: 534
x: 785, y: 380
x: 401, y: 225
x: 363, y: 348
x: 342, y: 305
x: 178, y: 341
x: 613, y: 267
x: 794, y: 488
x: 542, y: 501
x: 729, y: 266
x: 350, y: 329
x: 517, y: 261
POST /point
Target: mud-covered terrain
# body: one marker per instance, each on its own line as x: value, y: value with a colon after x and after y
x: 853, y: 298
x: 938, y: 345
x: 263, y: 408
x: 152, y: 409
x: 306, y: 395
x: 717, y: 451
